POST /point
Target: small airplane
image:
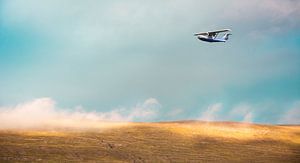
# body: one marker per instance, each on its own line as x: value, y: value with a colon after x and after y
x: 211, y: 36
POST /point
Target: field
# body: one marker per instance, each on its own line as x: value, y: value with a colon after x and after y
x: 185, y: 141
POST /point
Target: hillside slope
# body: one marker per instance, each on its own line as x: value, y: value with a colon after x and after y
x: 186, y: 141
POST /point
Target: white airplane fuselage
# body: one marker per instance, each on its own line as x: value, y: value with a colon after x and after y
x: 210, y: 39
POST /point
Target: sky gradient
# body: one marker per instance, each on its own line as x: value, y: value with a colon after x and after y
x: 139, y: 61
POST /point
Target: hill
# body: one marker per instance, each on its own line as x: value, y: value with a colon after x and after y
x: 184, y: 141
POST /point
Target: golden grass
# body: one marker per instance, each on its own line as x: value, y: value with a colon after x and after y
x: 154, y: 142
x: 238, y: 131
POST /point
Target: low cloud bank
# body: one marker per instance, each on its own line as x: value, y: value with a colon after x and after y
x: 211, y: 114
x: 43, y: 112
x: 215, y: 112
x: 292, y: 116
x: 249, y: 113
x: 244, y: 112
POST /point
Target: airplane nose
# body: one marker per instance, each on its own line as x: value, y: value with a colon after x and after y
x: 200, y: 38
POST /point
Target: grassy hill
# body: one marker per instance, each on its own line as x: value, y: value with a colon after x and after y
x: 185, y: 141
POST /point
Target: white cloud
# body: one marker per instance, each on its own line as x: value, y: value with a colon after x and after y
x: 292, y: 116
x: 243, y: 112
x: 43, y: 112
x: 145, y: 111
x: 248, y: 117
x: 264, y: 17
x: 33, y: 113
x: 211, y: 114
x: 274, y: 10
x: 150, y: 102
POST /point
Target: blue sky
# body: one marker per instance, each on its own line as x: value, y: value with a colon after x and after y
x: 114, y: 57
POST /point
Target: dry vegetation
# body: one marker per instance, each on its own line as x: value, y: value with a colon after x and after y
x: 154, y: 142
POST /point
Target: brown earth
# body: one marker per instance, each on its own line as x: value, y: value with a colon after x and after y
x: 185, y: 141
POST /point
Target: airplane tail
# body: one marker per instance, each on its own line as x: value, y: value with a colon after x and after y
x: 226, y: 36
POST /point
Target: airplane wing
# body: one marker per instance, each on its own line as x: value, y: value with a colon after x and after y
x: 215, y: 33
x: 212, y: 33
x: 202, y: 33
x: 219, y: 31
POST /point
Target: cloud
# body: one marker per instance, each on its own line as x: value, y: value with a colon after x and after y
x: 211, y: 114
x: 273, y: 10
x: 254, y: 112
x: 263, y: 17
x: 248, y: 118
x: 44, y: 112
x: 292, y: 116
x: 151, y: 102
x: 145, y: 111
x: 242, y: 112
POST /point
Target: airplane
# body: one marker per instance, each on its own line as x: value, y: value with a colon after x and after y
x: 211, y: 36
